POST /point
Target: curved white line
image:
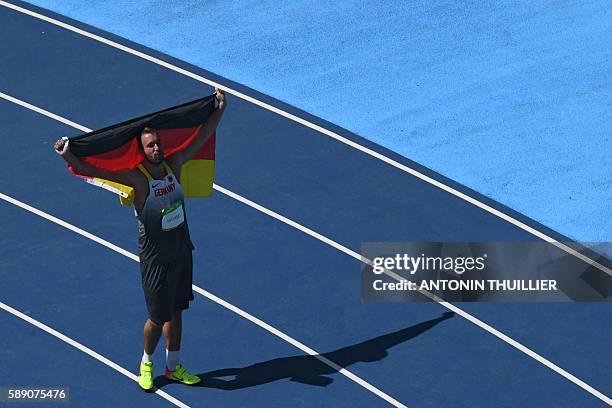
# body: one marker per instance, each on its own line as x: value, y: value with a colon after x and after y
x: 86, y: 350
x: 318, y: 128
x: 448, y: 305
x: 333, y: 244
x: 214, y: 298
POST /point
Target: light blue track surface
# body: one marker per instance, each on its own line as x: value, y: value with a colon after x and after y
x: 511, y: 99
x: 294, y: 282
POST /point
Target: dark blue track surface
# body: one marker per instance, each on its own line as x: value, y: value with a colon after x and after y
x: 297, y: 284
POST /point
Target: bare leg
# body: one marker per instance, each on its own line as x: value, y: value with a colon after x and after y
x: 152, y: 333
x: 173, y: 330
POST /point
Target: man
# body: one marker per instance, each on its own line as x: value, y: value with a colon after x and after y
x: 164, y: 243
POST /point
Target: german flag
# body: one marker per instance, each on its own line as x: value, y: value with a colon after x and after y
x: 116, y: 147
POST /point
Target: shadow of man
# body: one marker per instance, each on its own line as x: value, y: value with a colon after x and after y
x: 311, y: 370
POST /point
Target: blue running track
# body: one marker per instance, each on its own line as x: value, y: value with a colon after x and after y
x: 416, y: 353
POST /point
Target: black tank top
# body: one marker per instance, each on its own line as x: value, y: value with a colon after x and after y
x: 163, y: 234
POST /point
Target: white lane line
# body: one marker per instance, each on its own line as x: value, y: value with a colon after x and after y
x: 215, y: 299
x: 299, y: 345
x: 44, y: 112
x: 341, y: 248
x: 317, y: 128
x: 305, y: 348
x: 69, y: 226
x: 86, y: 350
x: 448, y: 305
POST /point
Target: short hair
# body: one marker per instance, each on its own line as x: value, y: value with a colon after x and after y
x: 145, y: 131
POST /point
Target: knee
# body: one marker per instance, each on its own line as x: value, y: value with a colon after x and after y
x: 151, y: 324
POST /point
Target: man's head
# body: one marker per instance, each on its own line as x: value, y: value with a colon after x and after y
x: 151, y: 145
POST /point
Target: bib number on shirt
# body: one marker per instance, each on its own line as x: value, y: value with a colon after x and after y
x: 172, y: 216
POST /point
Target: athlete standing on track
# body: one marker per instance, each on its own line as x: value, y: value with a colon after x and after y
x: 164, y: 243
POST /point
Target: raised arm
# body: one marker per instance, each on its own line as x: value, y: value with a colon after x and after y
x: 62, y: 147
x: 183, y: 156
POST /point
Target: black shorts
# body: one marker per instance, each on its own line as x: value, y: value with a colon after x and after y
x: 167, y: 287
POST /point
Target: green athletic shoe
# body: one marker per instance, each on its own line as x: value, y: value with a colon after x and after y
x: 145, y: 379
x: 181, y: 375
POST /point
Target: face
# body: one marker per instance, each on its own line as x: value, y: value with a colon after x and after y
x: 153, y: 148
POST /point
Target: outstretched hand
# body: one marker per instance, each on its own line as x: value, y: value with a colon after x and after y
x: 61, y: 146
x: 220, y: 97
